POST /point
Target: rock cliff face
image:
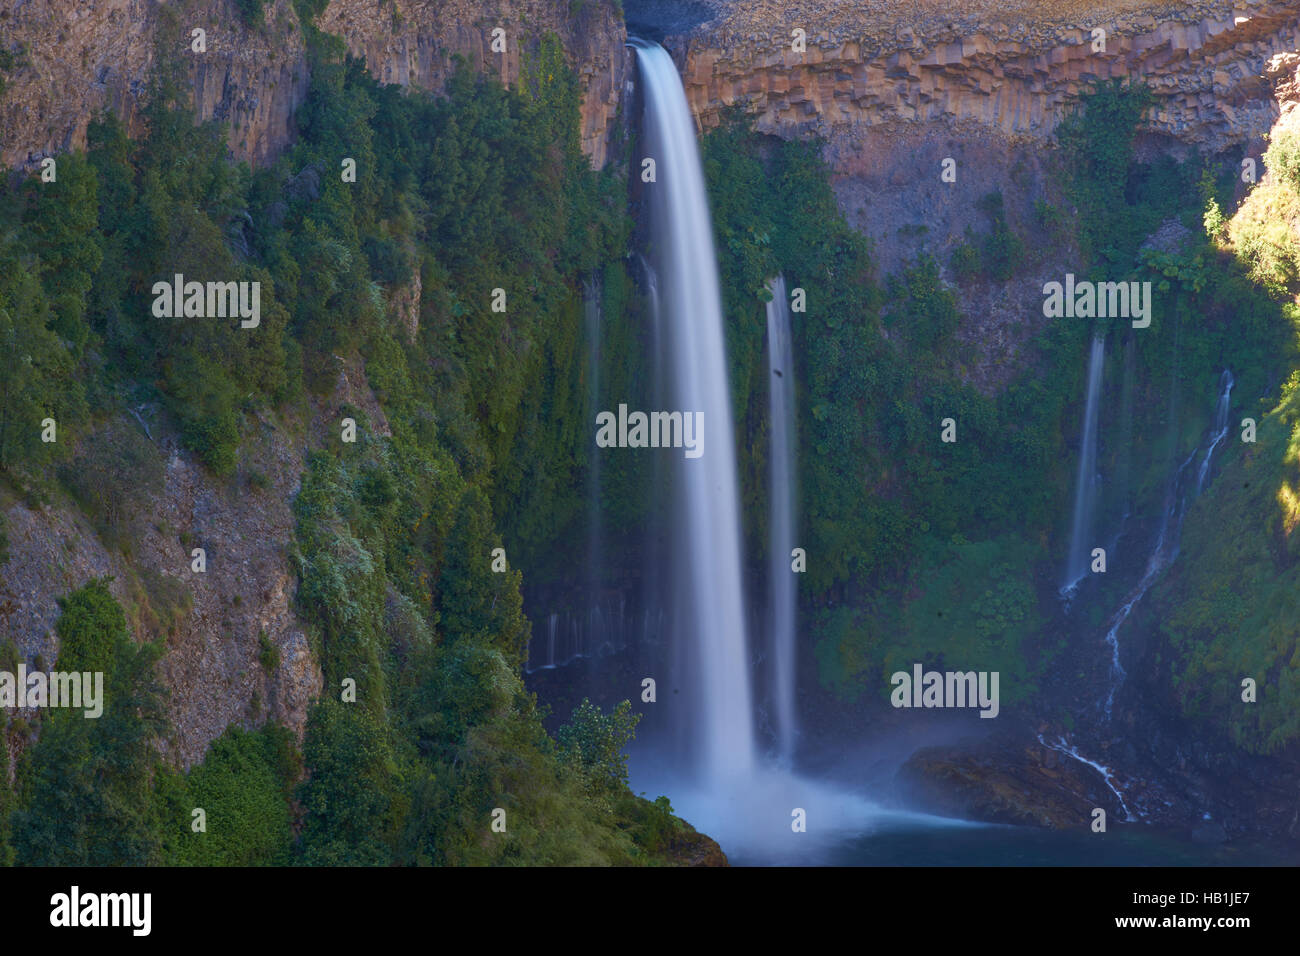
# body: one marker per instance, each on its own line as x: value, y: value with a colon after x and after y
x: 415, y: 43
x: 74, y: 59
x: 1009, y: 67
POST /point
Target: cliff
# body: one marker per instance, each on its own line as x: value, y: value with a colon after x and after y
x: 1014, y: 68
x: 416, y: 42
x: 73, y: 60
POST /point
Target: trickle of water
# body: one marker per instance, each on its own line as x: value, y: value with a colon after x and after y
x: 1226, y: 381
x: 1085, y: 489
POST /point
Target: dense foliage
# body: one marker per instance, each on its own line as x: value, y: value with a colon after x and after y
x: 932, y: 551
x: 424, y: 729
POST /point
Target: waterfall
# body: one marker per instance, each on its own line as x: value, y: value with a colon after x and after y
x: 1085, y: 491
x: 1107, y: 775
x: 1169, y: 535
x: 1226, y: 382
x: 781, y: 459
x: 705, y: 586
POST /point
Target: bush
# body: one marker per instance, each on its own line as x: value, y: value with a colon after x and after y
x: 269, y: 653
x: 250, y: 11
x: 92, y: 630
x: 593, y: 743
x: 1282, y: 158
x: 242, y: 786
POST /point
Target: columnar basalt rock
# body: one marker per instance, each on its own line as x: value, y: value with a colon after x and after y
x: 1018, y: 73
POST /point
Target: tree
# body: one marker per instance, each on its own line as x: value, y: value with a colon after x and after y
x: 36, y: 369
x: 593, y: 743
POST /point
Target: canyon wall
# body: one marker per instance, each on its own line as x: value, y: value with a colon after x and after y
x: 416, y: 42
x: 75, y: 59
x: 1013, y: 72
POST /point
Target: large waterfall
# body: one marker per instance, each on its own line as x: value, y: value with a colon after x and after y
x: 707, y: 604
x: 721, y: 786
x: 1085, y: 491
x: 781, y: 455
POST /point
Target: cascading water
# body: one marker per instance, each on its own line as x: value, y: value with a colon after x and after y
x: 1226, y: 381
x: 706, y: 585
x: 724, y: 790
x: 1169, y: 535
x: 781, y: 454
x: 1085, y: 492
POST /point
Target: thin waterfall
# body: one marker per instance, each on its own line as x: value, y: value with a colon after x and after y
x: 1085, y: 490
x: 705, y: 577
x: 1226, y: 381
x: 1169, y: 536
x: 781, y: 461
x: 1164, y: 551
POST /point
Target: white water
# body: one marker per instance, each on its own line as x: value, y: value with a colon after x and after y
x: 706, y: 587
x: 1107, y: 774
x: 1085, y: 489
x: 747, y: 805
x: 1226, y: 382
x: 1169, y: 537
x: 781, y: 460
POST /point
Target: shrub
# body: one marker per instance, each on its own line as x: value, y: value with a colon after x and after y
x: 1282, y: 158
x: 92, y: 629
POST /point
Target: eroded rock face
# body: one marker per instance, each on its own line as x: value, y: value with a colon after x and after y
x: 80, y: 58
x: 1017, y: 72
x: 236, y: 651
x: 415, y: 43
x: 77, y: 58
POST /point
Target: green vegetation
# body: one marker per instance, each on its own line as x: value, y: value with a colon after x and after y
x: 922, y: 550
x: 250, y: 11
x: 243, y: 786
x: 92, y: 630
x: 998, y: 255
x: 85, y: 791
x: 479, y: 190
x: 879, y: 492
x: 1226, y: 611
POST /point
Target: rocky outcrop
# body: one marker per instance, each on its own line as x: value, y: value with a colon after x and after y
x: 76, y: 59
x: 1016, y: 72
x: 416, y: 43
x: 1013, y: 782
x: 236, y: 652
